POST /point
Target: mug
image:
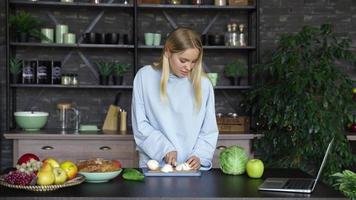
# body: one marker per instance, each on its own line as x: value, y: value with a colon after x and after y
x: 99, y: 38
x: 149, y: 39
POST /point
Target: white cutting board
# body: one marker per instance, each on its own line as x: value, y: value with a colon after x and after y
x: 148, y: 172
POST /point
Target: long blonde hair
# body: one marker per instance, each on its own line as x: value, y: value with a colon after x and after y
x: 180, y: 40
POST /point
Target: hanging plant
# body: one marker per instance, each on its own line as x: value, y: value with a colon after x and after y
x: 303, y: 100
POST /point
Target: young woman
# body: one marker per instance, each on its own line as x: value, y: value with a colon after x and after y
x: 173, y: 110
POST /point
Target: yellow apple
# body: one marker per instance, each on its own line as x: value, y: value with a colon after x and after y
x: 51, y: 161
x: 46, y: 167
x: 60, y: 176
x: 70, y: 168
x: 45, y: 177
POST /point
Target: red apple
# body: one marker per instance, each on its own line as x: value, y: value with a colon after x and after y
x: 27, y: 157
x: 70, y: 168
x: 117, y: 164
x: 353, y: 127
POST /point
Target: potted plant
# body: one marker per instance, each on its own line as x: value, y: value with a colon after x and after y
x: 105, y: 69
x: 15, y: 70
x: 25, y: 25
x: 235, y: 71
x: 302, y: 99
x: 119, y: 69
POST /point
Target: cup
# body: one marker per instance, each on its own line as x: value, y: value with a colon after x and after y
x: 69, y: 38
x: 156, y: 39
x: 60, y: 30
x: 149, y: 39
x: 89, y: 38
x: 213, y: 77
x: 112, y: 38
x: 125, y: 39
x: 48, y: 32
x: 100, y: 38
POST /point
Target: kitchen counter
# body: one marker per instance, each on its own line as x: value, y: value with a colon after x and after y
x: 211, y: 185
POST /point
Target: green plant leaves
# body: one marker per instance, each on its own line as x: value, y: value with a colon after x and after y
x: 15, y: 66
x: 346, y: 183
x: 302, y: 99
x: 133, y: 175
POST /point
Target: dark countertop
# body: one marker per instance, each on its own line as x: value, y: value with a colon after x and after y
x: 212, y: 184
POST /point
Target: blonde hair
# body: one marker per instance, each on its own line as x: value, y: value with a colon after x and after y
x: 180, y: 40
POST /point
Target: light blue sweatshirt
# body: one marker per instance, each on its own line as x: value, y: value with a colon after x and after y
x: 175, y: 125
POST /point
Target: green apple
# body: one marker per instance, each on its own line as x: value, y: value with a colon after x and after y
x: 70, y: 168
x: 45, y: 177
x: 60, y: 176
x: 254, y: 168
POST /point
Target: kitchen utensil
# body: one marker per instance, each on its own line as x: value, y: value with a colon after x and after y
x: 111, y: 119
x: 31, y: 121
x: 99, y: 177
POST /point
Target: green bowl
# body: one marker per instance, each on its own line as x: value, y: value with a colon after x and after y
x: 99, y: 177
x: 31, y: 121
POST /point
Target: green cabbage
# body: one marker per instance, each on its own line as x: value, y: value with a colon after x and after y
x: 233, y: 160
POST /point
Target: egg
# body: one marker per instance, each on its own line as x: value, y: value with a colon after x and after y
x: 153, y: 164
x: 167, y: 168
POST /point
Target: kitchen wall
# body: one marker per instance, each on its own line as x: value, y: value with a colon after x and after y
x: 277, y: 17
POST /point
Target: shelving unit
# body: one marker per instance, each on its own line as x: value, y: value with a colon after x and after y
x: 136, y: 49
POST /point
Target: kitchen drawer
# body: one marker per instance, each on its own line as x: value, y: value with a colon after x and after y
x: 79, y: 149
x: 246, y: 144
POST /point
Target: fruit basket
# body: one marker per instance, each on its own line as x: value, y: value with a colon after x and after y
x: 44, y: 188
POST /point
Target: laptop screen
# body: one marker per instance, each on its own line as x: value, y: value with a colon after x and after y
x: 323, y: 163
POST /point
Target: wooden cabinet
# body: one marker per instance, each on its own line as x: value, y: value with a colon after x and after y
x: 76, y: 147
x: 86, y: 146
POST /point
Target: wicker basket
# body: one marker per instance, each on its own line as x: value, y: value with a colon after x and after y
x: 44, y: 188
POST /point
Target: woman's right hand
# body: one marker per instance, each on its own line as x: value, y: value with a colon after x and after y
x: 171, y: 158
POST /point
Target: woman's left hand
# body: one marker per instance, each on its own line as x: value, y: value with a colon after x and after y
x: 194, y: 162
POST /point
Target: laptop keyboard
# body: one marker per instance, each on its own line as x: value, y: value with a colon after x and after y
x: 298, y: 184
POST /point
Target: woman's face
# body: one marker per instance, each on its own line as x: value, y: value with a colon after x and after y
x: 183, y: 62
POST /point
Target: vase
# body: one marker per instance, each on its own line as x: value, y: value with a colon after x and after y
x: 16, y: 78
x: 22, y: 37
x: 235, y: 81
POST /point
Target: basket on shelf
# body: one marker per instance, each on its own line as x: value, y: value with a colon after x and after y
x: 240, y: 2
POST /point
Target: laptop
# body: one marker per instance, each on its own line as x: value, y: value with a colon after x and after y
x: 301, y: 185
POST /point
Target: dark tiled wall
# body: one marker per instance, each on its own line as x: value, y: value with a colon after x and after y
x: 277, y: 17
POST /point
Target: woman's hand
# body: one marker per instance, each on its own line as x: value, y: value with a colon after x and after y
x: 194, y: 162
x: 171, y: 158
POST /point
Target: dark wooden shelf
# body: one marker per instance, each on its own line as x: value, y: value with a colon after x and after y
x: 250, y: 48
x: 62, y: 4
x: 71, y: 87
x: 211, y: 7
x: 36, y: 44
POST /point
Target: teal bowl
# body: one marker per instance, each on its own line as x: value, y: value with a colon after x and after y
x: 31, y: 121
x: 99, y: 177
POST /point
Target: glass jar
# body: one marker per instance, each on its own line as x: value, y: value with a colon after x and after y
x: 220, y: 2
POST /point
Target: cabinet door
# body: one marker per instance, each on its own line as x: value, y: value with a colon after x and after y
x: 79, y: 149
x: 221, y: 144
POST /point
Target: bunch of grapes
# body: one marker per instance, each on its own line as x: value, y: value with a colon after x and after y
x: 19, y: 178
x: 30, y: 166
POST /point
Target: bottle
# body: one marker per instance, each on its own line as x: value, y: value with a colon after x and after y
x: 43, y: 71
x: 242, y: 38
x: 56, y: 72
x: 233, y: 39
x: 228, y: 35
x: 28, y: 72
